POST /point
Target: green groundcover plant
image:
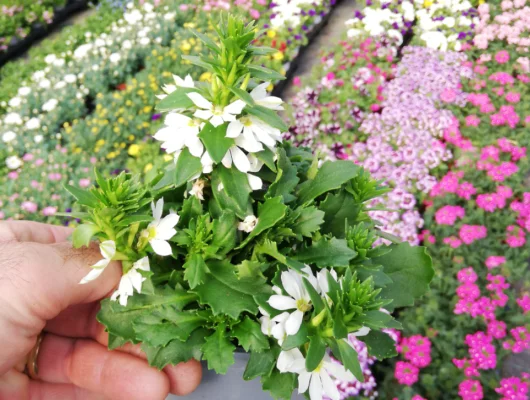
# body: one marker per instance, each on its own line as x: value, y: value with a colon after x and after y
x: 246, y: 241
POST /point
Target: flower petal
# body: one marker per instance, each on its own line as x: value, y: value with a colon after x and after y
x: 216, y: 120
x: 362, y: 332
x: 108, y: 249
x: 255, y: 182
x: 235, y: 108
x: 292, y: 325
x: 279, y: 302
x: 176, y: 120
x: 303, y: 382
x: 339, y: 372
x: 203, y: 114
x: 330, y: 389
x: 315, y: 387
x: 157, y: 209
x: 260, y: 91
x: 240, y: 159
x: 195, y: 146
x: 234, y: 129
x: 200, y: 101
x: 161, y: 247
x: 93, y: 274
x: 292, y: 284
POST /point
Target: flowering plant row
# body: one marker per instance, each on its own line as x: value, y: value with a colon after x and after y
x: 245, y: 240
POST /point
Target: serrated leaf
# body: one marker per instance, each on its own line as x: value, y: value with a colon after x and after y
x: 249, y: 335
x: 327, y: 253
x: 260, y: 364
x: 338, y: 208
x: 191, y: 208
x: 411, y: 271
x: 269, y: 214
x: 83, y: 234
x: 195, y: 270
x: 84, y: 197
x: 235, y: 190
x: 280, y: 385
x: 175, y: 100
x: 118, y: 319
x: 380, y: 345
x: 331, y: 175
x: 226, y: 294
x: 308, y: 222
x: 218, y: 350
x: 166, y: 324
x: 286, y: 180
x: 378, y: 320
x: 315, y: 352
x: 268, y: 116
x: 215, y: 141
x: 224, y: 232
x: 115, y: 341
x: 187, y: 167
x: 375, y: 272
x: 176, y: 351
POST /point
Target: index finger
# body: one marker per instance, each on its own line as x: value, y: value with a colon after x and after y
x: 29, y: 231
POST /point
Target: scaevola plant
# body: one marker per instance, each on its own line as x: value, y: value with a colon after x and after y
x: 246, y: 241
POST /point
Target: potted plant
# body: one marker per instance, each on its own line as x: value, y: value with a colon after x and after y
x: 246, y: 242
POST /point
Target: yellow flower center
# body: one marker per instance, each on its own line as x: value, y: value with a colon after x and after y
x: 303, y: 305
x: 246, y: 121
x: 217, y: 110
x: 317, y: 369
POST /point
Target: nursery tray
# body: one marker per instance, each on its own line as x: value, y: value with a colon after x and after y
x: 39, y: 31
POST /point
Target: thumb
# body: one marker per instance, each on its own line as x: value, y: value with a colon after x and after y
x: 38, y: 281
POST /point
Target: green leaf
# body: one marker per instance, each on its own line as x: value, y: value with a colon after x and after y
x: 187, y: 167
x: 195, y: 270
x: 349, y: 358
x: 267, y: 157
x: 135, y: 218
x: 327, y: 253
x: 224, y: 232
x: 226, y: 294
x: 197, y: 61
x: 166, y: 324
x: 118, y: 320
x: 218, y: 350
x: 286, y: 180
x: 265, y: 74
x: 249, y: 335
x: 83, y: 197
x: 268, y: 116
x: 378, y: 320
x: 315, y: 353
x: 215, y: 141
x: 175, y: 100
x: 191, y: 208
x: 380, y: 345
x: 331, y: 175
x: 168, y: 179
x: 411, y: 271
x: 269, y: 214
x: 235, y: 190
x: 280, y: 385
x: 243, y: 95
x: 308, y: 222
x: 375, y: 272
x: 316, y: 299
x: 262, y: 50
x: 176, y: 351
x: 83, y: 234
x: 207, y: 41
x: 339, y: 328
x: 260, y: 364
x: 338, y: 208
x: 115, y: 341
x: 301, y: 338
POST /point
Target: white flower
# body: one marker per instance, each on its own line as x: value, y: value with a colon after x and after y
x: 207, y: 163
x: 435, y: 40
x: 24, y: 91
x: 50, y: 105
x: 248, y: 224
x: 108, y: 251
x: 15, y: 102
x: 126, y: 45
x: 187, y: 82
x: 259, y: 94
x: 9, y: 136
x: 161, y: 229
x: 45, y: 83
x: 322, y: 279
x: 38, y: 138
x: 250, y: 132
x: 274, y: 327
x: 33, y: 123
x: 215, y: 114
x: 131, y: 280
x: 13, y: 119
x: 298, y: 298
x: 254, y: 181
x: 236, y: 156
x: 180, y: 132
x: 361, y: 332
x: 82, y: 51
x: 408, y: 11
x: 115, y: 58
x: 70, y: 78
x: 60, y: 85
x: 319, y: 381
x: 197, y: 189
x: 144, y: 41
x: 13, y: 162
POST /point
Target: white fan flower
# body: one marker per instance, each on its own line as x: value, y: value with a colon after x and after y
x: 108, y: 251
x: 180, y: 132
x: 13, y: 162
x: 298, y: 299
x: 261, y: 97
x: 197, y: 189
x: 250, y: 132
x: 161, y: 229
x: 187, y: 82
x: 131, y: 280
x: 248, y: 224
x: 319, y: 381
x: 236, y: 156
x: 217, y: 115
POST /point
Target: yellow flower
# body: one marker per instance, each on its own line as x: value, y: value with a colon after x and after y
x: 278, y: 56
x: 112, y: 155
x: 167, y: 157
x: 271, y: 34
x: 95, y: 129
x: 205, y: 76
x: 428, y: 3
x: 100, y: 142
x: 185, y: 46
x: 130, y: 137
x: 134, y: 150
x: 147, y: 109
x: 148, y: 168
x: 141, y: 92
x: 116, y: 129
x: 270, y: 87
x: 128, y: 103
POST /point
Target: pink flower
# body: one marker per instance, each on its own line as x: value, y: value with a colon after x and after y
x: 466, y: 190
x: 470, y: 233
x: 447, y: 215
x: 472, y: 120
x: 49, y: 211
x: 406, y: 373
x: 466, y: 275
x: 494, y: 261
x: 520, y: 341
x: 502, y: 57
x: 497, y: 329
x: 452, y: 241
x: 524, y: 302
x: 468, y: 291
x: 470, y: 390
x: 84, y: 182
x: 448, y: 95
x: 513, y: 388
x: 29, y: 206
x: 512, y: 97
x: 296, y: 81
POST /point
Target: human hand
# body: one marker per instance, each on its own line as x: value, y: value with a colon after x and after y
x: 40, y: 291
